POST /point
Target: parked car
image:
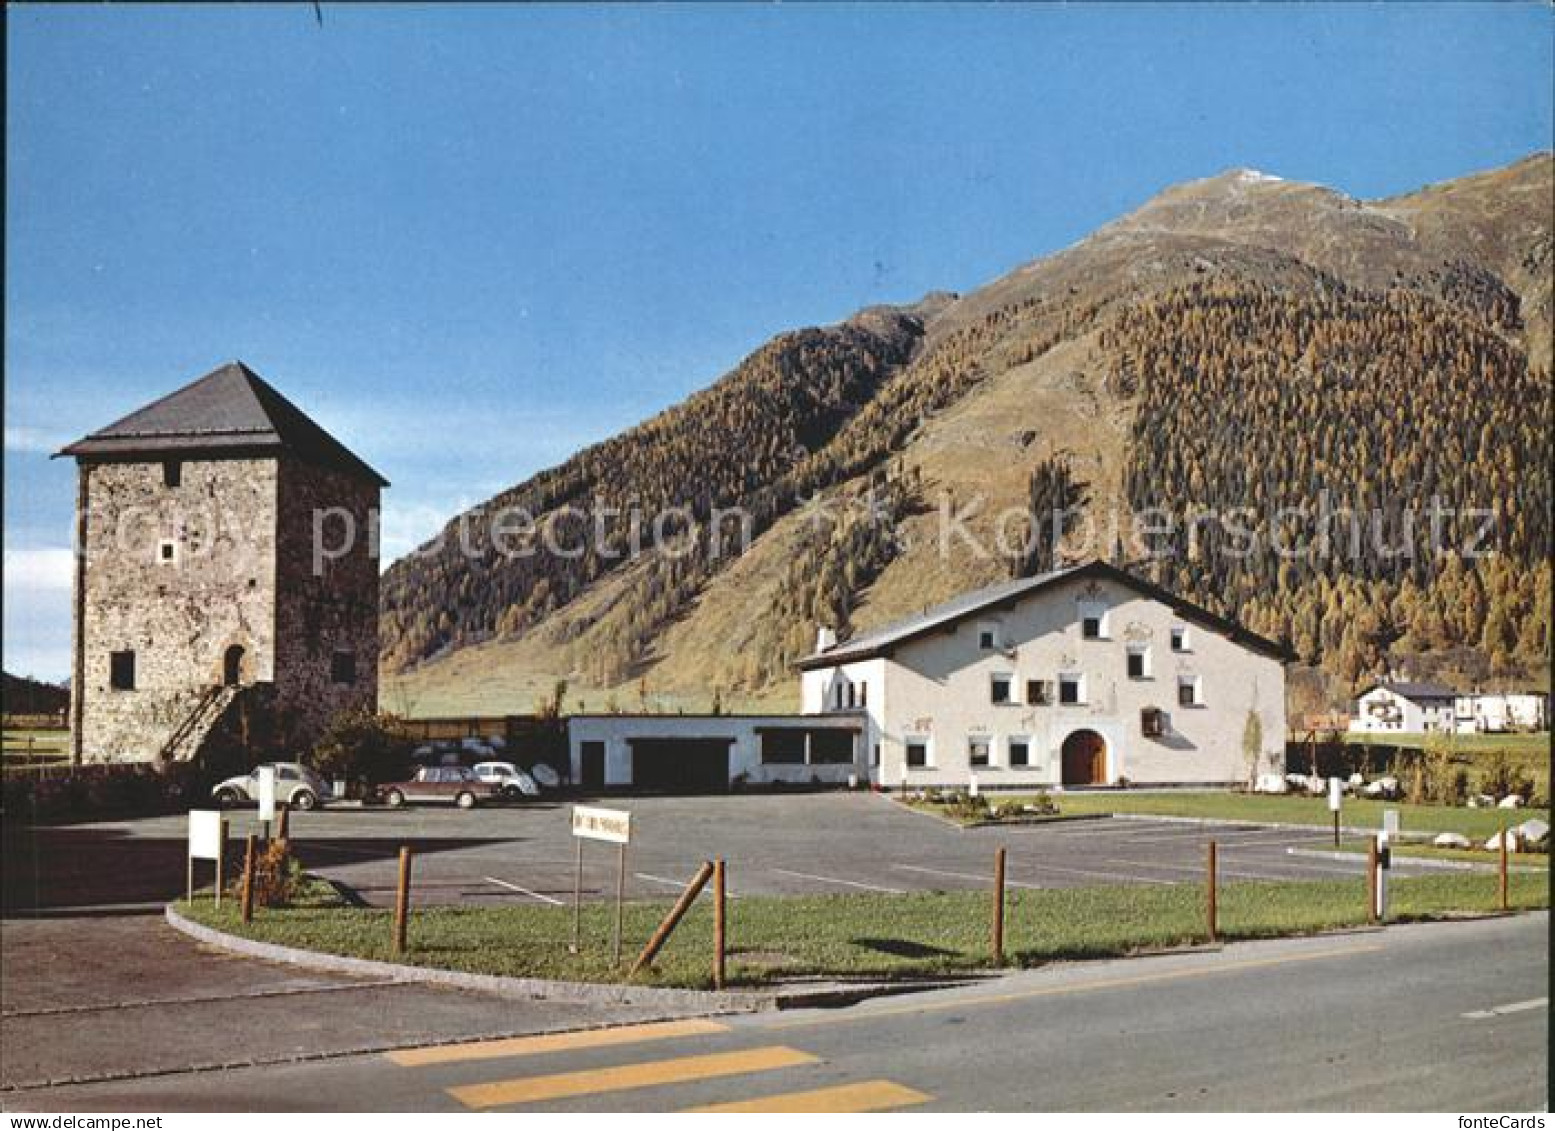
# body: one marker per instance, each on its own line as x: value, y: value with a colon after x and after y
x: 507, y: 777
x: 296, y: 786
x: 440, y: 783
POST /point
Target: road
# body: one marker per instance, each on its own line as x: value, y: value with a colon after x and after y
x: 1430, y: 1017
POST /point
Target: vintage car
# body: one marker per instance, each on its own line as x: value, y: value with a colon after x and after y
x: 457, y: 784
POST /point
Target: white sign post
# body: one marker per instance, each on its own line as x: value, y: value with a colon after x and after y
x: 1335, y: 799
x: 207, y: 841
x: 613, y: 826
x: 267, y: 797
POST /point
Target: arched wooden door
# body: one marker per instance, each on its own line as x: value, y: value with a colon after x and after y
x: 1085, y: 758
x: 232, y: 666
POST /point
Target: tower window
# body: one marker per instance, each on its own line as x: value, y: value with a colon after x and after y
x: 172, y: 473
x: 121, y: 671
x: 342, y: 667
x: 167, y: 552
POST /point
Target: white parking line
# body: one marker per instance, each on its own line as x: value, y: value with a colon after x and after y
x: 522, y: 891
x: 834, y: 880
x: 1198, y: 870
x: 659, y: 880
x: 1515, y: 1007
x: 964, y: 876
x: 1024, y: 863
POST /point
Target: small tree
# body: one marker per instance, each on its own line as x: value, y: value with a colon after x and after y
x: 362, y: 747
x: 1252, y: 745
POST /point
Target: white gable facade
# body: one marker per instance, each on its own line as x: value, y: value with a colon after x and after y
x: 1083, y: 677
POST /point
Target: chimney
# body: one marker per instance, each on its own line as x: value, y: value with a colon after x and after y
x: 824, y: 638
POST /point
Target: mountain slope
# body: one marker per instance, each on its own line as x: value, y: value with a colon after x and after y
x: 1121, y: 359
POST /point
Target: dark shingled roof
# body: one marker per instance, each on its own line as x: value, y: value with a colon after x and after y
x: 884, y: 640
x: 1414, y: 690
x: 229, y: 411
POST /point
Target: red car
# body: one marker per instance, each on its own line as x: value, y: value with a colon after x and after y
x: 440, y: 783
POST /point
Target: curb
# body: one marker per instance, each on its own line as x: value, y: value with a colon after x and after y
x: 1353, y: 830
x: 541, y: 989
x: 681, y: 1002
x: 1420, y: 861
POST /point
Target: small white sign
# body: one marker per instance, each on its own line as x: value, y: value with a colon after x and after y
x: 267, y: 793
x: 1390, y: 823
x: 614, y: 825
x: 971, y: 786
x: 205, y: 828
x: 1335, y: 794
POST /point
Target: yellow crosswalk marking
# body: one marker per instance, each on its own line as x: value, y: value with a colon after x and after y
x: 867, y: 1095
x: 553, y: 1042
x: 534, y: 1089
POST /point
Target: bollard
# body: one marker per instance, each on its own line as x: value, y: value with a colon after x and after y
x: 998, y: 907
x: 719, y: 923
x: 248, y: 879
x: 1371, y: 880
x: 1212, y: 891
x: 1501, y: 879
x: 401, y: 902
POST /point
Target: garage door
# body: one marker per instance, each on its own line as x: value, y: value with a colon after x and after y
x: 681, y: 765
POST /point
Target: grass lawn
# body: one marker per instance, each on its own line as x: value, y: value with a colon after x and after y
x: 1520, y: 746
x: 1265, y: 808
x: 919, y: 934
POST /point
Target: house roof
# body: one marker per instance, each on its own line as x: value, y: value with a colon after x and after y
x: 1414, y: 690
x: 882, y: 641
x: 229, y: 411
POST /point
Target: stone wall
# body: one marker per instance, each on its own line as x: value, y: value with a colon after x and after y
x: 179, y: 616
x: 327, y: 586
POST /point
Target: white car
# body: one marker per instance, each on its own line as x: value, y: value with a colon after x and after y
x: 507, y: 777
x: 296, y: 786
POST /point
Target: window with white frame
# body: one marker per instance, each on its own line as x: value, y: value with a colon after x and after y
x: 977, y: 748
x: 1018, y: 751
x: 917, y: 752
x: 1071, y: 689
x: 1138, y: 661
x: 987, y: 635
x: 1001, y: 687
x: 1039, y: 692
x: 1180, y: 639
x: 1190, y: 691
x: 167, y: 552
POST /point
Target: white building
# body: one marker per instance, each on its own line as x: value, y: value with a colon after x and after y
x: 1405, y: 708
x: 1084, y: 676
x: 1495, y: 714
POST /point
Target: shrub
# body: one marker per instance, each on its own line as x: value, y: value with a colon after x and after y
x: 364, y: 748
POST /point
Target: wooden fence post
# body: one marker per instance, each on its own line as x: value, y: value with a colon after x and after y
x: 719, y: 922
x: 998, y: 907
x: 402, y: 902
x: 248, y: 879
x: 1501, y: 878
x: 682, y: 905
x: 1212, y: 892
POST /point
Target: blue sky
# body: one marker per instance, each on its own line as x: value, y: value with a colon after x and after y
x: 471, y: 240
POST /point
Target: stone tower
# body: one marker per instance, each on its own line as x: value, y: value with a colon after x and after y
x: 226, y: 578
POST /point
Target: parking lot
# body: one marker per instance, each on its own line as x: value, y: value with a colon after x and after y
x: 817, y: 843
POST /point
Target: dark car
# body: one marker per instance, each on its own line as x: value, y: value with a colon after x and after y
x: 457, y: 784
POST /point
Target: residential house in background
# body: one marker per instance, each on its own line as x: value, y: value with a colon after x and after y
x: 1403, y: 707
x: 227, y: 580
